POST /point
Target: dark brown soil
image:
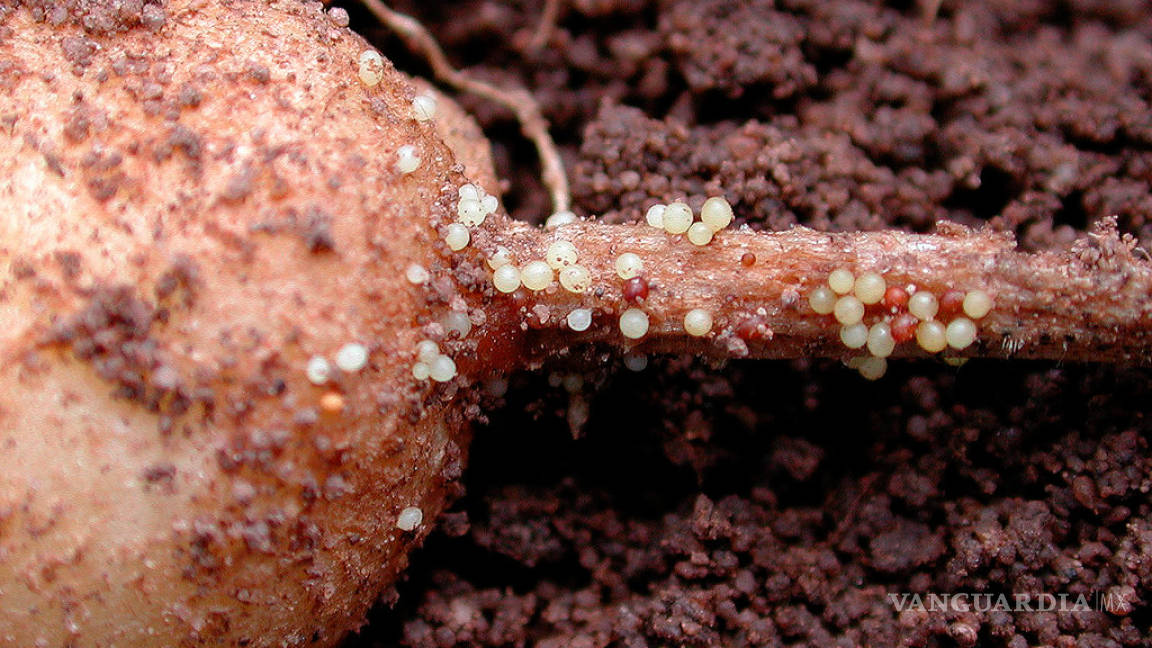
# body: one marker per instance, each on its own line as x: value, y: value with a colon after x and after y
x: 763, y: 504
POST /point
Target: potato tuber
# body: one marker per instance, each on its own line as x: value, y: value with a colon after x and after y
x: 195, y: 206
x: 241, y: 336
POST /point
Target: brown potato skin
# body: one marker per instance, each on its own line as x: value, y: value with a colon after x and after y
x: 192, y: 206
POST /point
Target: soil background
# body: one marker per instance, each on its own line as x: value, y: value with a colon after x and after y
x: 772, y: 503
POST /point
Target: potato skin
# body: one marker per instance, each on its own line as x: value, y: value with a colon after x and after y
x: 194, y: 201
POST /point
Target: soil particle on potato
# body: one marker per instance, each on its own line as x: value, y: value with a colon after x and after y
x: 78, y: 50
x: 257, y: 73
x: 113, y: 333
x: 69, y: 262
x: 160, y: 475
x: 180, y: 138
x: 318, y: 231
x: 189, y: 96
x: 183, y: 275
x: 238, y: 186
x: 95, y: 16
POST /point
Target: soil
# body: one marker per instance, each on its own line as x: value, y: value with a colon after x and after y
x: 771, y: 503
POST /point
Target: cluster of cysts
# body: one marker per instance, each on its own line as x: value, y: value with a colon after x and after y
x: 561, y: 262
x: 371, y: 73
x: 472, y: 208
x: 561, y: 259
x: 349, y: 359
x: 431, y: 363
x: 905, y: 314
x: 677, y: 218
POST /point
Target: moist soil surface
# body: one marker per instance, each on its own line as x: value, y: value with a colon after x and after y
x: 780, y: 503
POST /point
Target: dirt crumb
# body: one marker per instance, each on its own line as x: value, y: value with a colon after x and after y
x: 318, y: 232
x: 113, y: 333
x: 98, y: 17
